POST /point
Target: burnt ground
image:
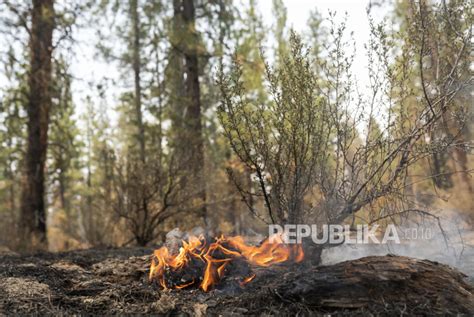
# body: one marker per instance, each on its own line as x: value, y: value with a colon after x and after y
x: 114, y: 281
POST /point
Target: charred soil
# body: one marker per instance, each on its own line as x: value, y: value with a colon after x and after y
x: 115, y: 281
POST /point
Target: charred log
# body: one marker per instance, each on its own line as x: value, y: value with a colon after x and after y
x: 381, y: 284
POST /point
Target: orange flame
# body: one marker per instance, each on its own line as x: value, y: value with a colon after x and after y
x: 195, y: 248
x: 247, y: 280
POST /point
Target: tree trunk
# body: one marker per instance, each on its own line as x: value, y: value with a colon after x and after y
x: 159, y: 114
x: 136, y: 71
x: 33, y: 210
x: 192, y: 118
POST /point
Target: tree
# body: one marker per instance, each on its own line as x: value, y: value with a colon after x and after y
x: 278, y: 141
x: 440, y: 174
x: 33, y: 209
x: 249, y: 33
x: 12, y: 140
x: 280, y: 14
x: 98, y: 222
x: 187, y: 42
x: 136, y: 65
x: 303, y: 146
x: 64, y: 164
x: 316, y: 33
x: 141, y: 165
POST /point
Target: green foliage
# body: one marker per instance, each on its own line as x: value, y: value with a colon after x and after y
x: 279, y: 141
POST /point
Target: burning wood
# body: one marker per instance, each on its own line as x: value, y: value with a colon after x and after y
x: 203, y: 264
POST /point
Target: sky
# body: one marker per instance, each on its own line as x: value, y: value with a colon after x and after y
x: 298, y: 12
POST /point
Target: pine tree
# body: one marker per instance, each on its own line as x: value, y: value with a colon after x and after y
x: 64, y: 153
x: 190, y: 143
x: 12, y: 140
x: 98, y: 223
x: 33, y: 207
x: 280, y: 13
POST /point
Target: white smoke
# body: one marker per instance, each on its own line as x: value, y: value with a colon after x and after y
x: 451, y: 244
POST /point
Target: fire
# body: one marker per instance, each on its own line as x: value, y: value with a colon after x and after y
x: 216, y: 256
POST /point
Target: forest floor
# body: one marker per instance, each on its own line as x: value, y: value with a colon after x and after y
x: 115, y: 281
